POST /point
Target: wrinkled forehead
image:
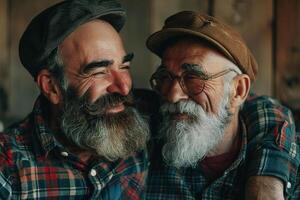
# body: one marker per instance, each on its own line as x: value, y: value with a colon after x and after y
x: 91, y: 34
x: 93, y: 41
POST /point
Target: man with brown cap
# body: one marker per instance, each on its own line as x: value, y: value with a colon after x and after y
x: 207, y: 145
x: 84, y: 139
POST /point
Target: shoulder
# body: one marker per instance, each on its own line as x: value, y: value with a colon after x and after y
x: 258, y: 107
x: 264, y: 115
x: 16, y: 141
x: 273, y: 144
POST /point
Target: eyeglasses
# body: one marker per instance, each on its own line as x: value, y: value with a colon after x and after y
x: 191, y: 82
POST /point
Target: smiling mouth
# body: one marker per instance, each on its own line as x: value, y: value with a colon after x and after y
x: 100, y: 111
x: 115, y: 109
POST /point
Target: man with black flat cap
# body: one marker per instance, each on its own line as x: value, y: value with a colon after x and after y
x: 84, y: 139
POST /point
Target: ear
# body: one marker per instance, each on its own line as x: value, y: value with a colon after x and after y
x: 49, y: 86
x: 241, y: 88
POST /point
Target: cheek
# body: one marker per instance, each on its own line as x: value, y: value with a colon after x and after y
x: 201, y: 99
x: 210, y: 98
x: 97, y: 89
x: 84, y: 86
x: 92, y: 87
x: 127, y: 80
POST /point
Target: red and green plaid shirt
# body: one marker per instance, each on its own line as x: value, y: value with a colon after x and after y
x: 34, y: 165
x: 270, y: 147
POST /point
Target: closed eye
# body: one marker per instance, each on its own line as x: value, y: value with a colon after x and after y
x: 126, y: 61
x: 125, y: 66
x: 97, y: 66
x: 98, y: 73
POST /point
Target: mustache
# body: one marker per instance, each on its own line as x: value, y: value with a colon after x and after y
x: 103, y: 103
x: 184, y: 106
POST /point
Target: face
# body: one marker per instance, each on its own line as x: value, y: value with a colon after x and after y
x: 207, y: 61
x: 98, y: 112
x: 95, y: 62
x: 193, y: 124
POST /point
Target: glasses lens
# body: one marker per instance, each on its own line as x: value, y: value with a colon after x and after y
x: 160, y: 81
x: 193, y: 84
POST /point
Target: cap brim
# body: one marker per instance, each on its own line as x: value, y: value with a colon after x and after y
x: 156, y: 41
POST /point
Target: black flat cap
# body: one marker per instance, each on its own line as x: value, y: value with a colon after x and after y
x: 49, y: 28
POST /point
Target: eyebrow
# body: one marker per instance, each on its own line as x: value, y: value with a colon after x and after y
x: 185, y: 67
x: 128, y: 57
x: 191, y: 67
x: 97, y: 64
x: 105, y: 63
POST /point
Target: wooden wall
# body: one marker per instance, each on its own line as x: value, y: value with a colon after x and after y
x: 160, y: 10
x: 253, y: 19
x: 4, y: 44
x: 22, y: 86
x: 134, y: 33
x: 287, y: 54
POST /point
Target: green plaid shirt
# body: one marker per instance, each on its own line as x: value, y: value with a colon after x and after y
x: 269, y: 147
x: 34, y: 165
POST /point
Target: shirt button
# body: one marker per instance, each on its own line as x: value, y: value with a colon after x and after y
x: 110, y: 177
x: 93, y: 172
x: 288, y: 185
x: 64, y: 154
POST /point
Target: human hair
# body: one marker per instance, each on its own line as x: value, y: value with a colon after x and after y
x: 56, y: 68
x: 229, y: 77
x: 228, y: 80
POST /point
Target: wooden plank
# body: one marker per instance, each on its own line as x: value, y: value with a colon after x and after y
x: 163, y: 9
x: 23, y: 90
x: 253, y: 19
x: 3, y: 44
x: 288, y: 53
x: 160, y: 10
x: 134, y: 34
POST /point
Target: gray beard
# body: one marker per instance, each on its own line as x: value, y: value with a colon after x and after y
x: 188, y: 141
x: 111, y: 136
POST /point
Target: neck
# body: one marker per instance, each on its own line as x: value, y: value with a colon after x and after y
x: 230, y: 138
x: 54, y: 119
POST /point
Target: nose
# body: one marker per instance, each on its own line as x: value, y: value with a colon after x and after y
x: 121, y: 83
x: 175, y: 93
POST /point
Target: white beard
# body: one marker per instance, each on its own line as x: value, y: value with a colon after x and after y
x: 187, y: 141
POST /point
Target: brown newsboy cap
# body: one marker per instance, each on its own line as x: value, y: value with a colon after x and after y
x: 48, y: 29
x: 208, y: 28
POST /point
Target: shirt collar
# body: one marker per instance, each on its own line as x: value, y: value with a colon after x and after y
x: 44, y: 133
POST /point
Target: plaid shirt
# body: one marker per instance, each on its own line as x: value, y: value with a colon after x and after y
x: 34, y: 165
x: 269, y: 147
